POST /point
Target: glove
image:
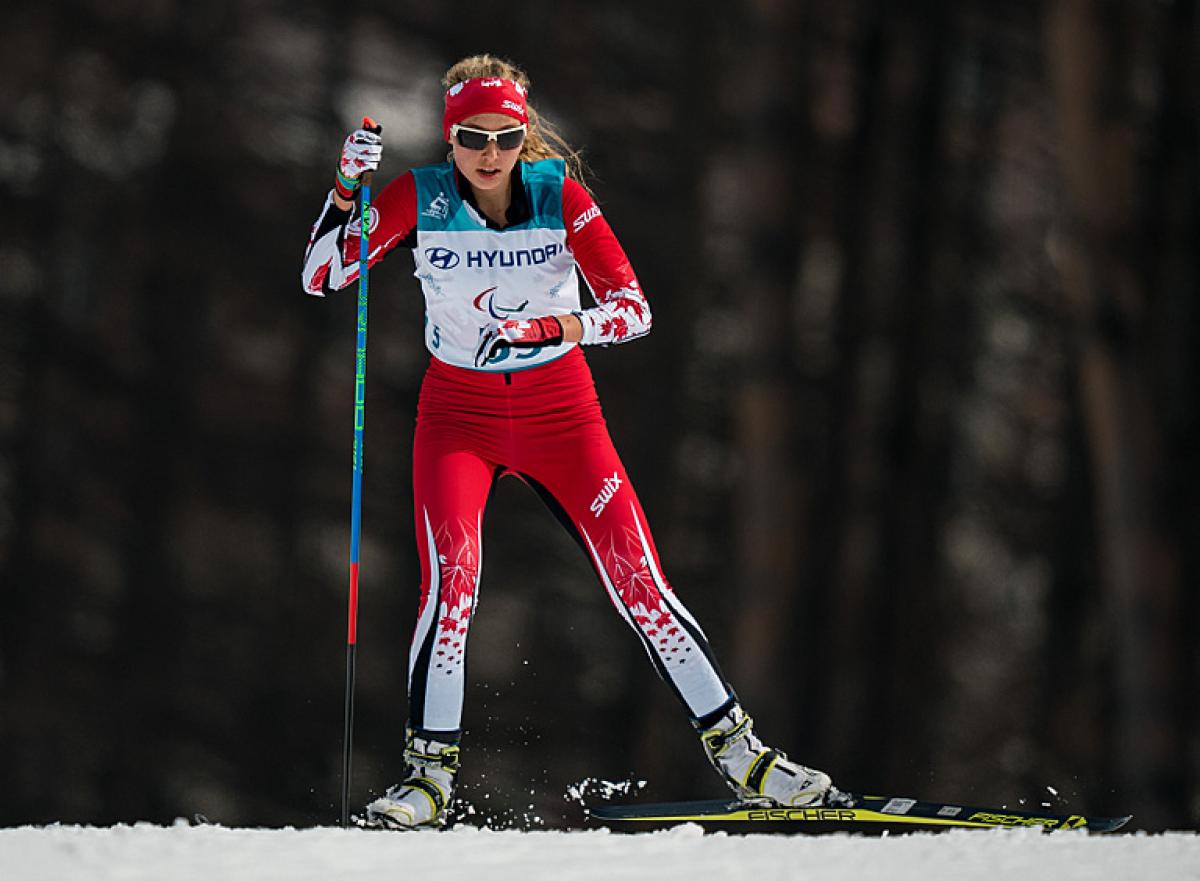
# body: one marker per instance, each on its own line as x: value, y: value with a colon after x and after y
x: 547, y: 331
x: 360, y: 154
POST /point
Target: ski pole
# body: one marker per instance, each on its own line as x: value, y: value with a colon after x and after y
x: 360, y: 414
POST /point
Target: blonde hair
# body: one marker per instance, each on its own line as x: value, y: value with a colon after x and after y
x: 542, y: 140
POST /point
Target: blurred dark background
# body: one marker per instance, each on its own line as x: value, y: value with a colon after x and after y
x: 916, y: 428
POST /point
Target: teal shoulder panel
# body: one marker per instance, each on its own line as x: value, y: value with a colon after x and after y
x: 544, y: 184
x: 441, y: 209
x: 439, y: 206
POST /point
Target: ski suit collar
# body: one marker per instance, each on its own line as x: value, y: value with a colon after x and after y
x: 518, y: 210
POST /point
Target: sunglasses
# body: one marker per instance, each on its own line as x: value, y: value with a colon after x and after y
x: 477, y: 139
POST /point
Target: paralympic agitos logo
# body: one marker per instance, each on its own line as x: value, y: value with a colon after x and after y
x: 486, y: 302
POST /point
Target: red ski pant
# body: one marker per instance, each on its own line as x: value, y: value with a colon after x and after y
x: 543, y: 424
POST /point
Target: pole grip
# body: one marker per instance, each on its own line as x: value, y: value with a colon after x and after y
x: 372, y: 126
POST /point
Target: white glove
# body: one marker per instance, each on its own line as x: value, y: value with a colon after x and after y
x: 361, y: 153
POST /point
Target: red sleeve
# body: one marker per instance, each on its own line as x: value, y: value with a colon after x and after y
x: 622, y: 313
x: 393, y: 220
x: 600, y: 256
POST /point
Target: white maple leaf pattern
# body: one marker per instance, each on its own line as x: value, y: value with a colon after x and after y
x: 625, y: 561
x: 457, y: 548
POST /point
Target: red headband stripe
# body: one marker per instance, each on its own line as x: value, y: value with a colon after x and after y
x: 483, y: 95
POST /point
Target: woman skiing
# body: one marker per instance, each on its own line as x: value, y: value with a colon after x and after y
x: 496, y: 233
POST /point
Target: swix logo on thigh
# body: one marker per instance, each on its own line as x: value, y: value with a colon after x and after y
x: 611, y: 485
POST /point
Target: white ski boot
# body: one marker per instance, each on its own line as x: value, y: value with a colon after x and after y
x: 756, y: 772
x: 422, y: 798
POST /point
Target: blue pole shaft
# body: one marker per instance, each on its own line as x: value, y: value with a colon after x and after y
x: 360, y: 405
x: 360, y: 413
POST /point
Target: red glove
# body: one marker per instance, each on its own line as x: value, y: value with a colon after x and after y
x: 546, y: 331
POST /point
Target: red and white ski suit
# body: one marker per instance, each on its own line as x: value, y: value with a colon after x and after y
x: 542, y: 423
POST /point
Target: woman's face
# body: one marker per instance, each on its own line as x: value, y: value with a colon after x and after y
x: 487, y: 169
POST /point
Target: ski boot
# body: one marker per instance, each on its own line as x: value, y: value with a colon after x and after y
x: 756, y: 772
x: 422, y: 798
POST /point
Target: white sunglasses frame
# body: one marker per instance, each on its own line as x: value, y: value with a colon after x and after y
x: 492, y: 137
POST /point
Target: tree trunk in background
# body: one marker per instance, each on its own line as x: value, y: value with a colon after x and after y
x: 851, y: 541
x: 876, y: 513
x: 1090, y: 47
x: 760, y: 206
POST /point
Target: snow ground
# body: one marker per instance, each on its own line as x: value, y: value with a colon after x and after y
x: 216, y: 853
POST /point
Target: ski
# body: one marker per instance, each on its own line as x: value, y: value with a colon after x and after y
x: 854, y: 809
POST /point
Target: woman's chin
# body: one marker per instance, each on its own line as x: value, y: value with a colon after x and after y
x: 487, y: 179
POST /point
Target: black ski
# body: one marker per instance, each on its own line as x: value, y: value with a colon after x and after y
x: 854, y: 809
